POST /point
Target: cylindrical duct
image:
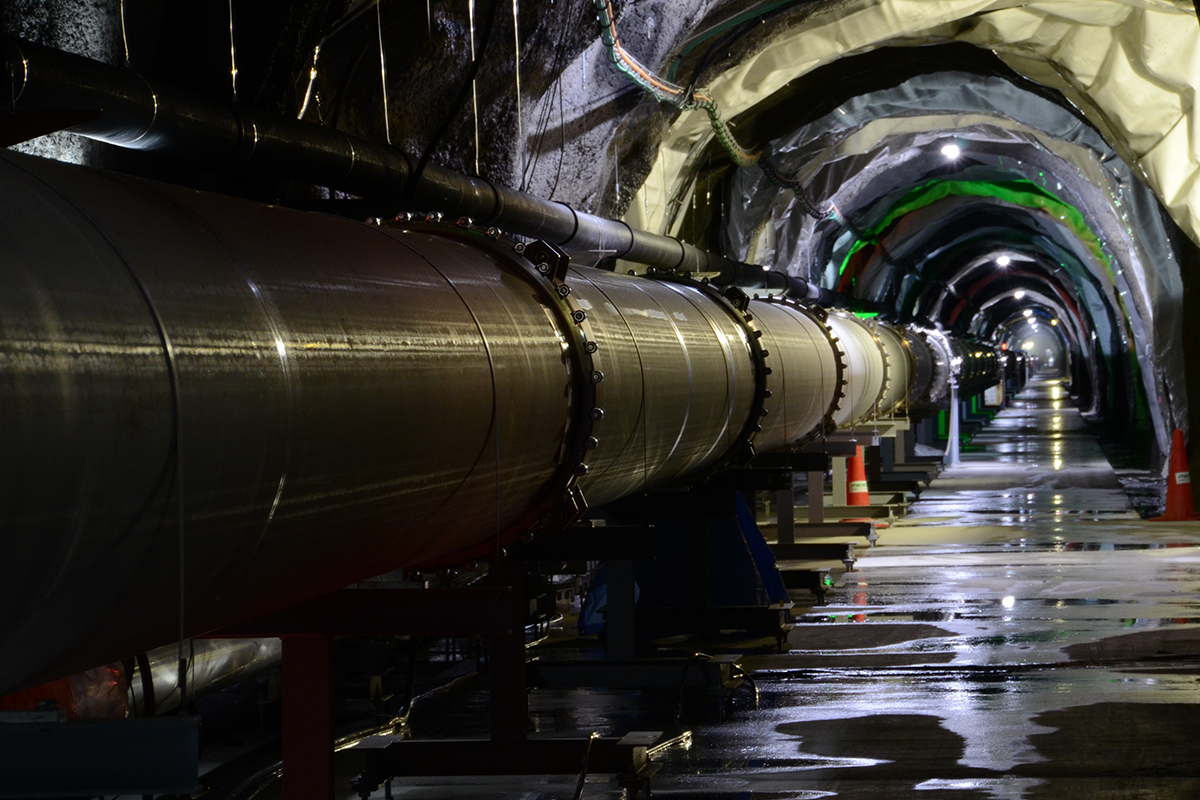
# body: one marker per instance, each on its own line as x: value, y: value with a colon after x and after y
x: 325, y: 400
x: 212, y: 665
x: 944, y: 369
x: 866, y: 371
x: 808, y: 377
x: 898, y: 389
x: 924, y: 370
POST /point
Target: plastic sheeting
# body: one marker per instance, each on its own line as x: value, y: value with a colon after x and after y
x: 1130, y: 65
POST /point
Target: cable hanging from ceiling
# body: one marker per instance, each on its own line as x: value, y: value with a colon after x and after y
x: 689, y: 98
x: 665, y: 91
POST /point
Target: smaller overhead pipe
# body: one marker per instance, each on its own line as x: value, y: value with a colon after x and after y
x: 133, y: 112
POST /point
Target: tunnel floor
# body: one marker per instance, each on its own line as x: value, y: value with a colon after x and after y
x: 1022, y: 633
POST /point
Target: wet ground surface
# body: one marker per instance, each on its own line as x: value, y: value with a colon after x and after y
x: 1022, y: 633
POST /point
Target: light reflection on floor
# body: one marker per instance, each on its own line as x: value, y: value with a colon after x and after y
x: 1021, y: 634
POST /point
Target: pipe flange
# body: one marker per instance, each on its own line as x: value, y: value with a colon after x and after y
x: 736, y: 303
x: 820, y: 316
x: 545, y: 267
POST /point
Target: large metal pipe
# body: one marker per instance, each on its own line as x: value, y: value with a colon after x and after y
x: 866, y: 370
x: 319, y: 401
x: 898, y: 389
x: 135, y: 112
x: 273, y: 404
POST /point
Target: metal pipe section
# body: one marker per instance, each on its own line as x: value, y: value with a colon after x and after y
x: 286, y: 403
x: 138, y: 114
x: 866, y: 369
x: 215, y: 408
x: 807, y: 366
x: 212, y: 665
x: 898, y: 388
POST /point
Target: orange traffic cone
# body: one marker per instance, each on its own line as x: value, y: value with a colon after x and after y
x: 856, y: 480
x: 1180, y: 505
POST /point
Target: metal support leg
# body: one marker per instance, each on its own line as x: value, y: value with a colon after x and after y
x: 508, y: 700
x: 696, y: 564
x: 785, y: 515
x: 619, y: 615
x: 307, y: 718
x: 839, y: 481
x: 952, y: 444
x: 816, y: 498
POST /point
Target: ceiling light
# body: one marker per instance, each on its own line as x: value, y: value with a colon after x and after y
x: 1028, y: 312
x: 1003, y: 261
x: 1053, y: 322
x: 951, y: 151
x: 1019, y: 293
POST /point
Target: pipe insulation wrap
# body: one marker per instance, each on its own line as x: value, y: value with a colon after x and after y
x: 924, y: 375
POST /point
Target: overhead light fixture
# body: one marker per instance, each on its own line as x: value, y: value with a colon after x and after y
x: 951, y: 151
x: 1028, y: 312
x: 1053, y: 322
x: 1019, y: 293
x: 1004, y: 261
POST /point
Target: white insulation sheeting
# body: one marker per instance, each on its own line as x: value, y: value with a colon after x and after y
x: 1130, y: 65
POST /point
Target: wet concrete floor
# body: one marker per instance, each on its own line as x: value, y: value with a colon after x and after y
x: 1020, y: 634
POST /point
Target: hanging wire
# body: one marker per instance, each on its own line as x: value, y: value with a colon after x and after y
x: 232, y: 55
x: 517, y: 66
x: 124, y: 37
x: 429, y: 17
x: 617, y: 170
x: 665, y: 91
x: 474, y: 92
x: 387, y: 124
x: 312, y: 78
x: 534, y: 155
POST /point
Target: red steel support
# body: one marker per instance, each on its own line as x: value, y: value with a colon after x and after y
x: 307, y: 718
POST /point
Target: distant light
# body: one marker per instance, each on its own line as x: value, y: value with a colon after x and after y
x: 1053, y: 322
x: 951, y: 151
x: 1003, y: 261
x: 1028, y: 312
x: 1027, y: 346
x: 1009, y: 601
x: 1019, y: 293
